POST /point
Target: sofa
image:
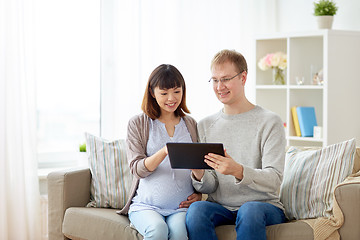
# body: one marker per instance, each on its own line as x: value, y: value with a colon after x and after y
x: 69, y: 218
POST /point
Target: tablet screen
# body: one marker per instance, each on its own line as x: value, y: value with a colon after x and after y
x: 191, y: 155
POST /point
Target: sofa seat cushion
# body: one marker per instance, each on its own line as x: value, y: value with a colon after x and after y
x: 97, y: 223
x: 296, y: 230
x: 104, y: 223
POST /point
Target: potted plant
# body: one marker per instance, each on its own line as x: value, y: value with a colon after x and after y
x: 324, y: 10
x: 82, y: 147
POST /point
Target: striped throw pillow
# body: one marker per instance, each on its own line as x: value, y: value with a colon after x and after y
x: 111, y: 178
x: 311, y: 176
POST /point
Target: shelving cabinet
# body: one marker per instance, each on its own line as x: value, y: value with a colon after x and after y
x: 336, y: 100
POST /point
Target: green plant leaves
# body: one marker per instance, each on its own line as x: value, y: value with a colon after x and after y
x: 325, y: 8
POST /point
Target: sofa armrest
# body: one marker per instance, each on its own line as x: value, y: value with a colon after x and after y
x: 66, y: 188
x: 348, y: 198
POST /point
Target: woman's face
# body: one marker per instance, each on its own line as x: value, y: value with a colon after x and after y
x: 168, y: 99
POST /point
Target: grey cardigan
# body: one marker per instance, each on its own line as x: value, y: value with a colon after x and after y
x: 136, y: 142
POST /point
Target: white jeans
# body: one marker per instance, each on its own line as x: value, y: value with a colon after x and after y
x: 153, y: 225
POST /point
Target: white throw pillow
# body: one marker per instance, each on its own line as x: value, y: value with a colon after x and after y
x: 111, y: 179
x: 311, y: 176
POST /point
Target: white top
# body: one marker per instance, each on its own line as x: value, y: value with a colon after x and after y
x: 165, y: 188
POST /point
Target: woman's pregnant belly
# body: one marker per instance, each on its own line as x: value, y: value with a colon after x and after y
x: 165, y: 190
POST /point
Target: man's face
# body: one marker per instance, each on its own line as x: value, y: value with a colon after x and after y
x: 229, y: 92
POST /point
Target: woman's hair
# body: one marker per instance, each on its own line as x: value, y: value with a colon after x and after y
x: 230, y: 56
x: 164, y: 76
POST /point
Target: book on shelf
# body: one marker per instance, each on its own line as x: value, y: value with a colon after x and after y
x: 307, y: 120
x: 295, y: 121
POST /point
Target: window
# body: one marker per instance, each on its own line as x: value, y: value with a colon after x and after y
x: 68, y: 77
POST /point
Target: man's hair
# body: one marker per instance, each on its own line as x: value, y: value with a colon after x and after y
x: 230, y: 56
x: 164, y: 76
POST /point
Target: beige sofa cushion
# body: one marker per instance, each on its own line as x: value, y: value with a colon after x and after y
x: 97, y: 223
x: 311, y: 176
x: 356, y: 167
x: 111, y: 179
x: 101, y: 223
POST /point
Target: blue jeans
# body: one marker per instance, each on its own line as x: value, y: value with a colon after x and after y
x: 250, y: 220
x: 153, y: 225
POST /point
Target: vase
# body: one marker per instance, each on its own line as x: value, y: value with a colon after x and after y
x: 82, y: 159
x: 324, y: 22
x: 278, y: 76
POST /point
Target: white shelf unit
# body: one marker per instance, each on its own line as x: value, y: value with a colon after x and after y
x: 336, y: 102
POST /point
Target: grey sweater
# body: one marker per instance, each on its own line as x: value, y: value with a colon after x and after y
x: 255, y: 139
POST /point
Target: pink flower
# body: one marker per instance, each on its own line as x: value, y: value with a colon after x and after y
x: 268, y: 59
x: 273, y: 60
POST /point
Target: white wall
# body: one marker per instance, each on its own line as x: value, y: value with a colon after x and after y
x: 184, y: 33
x: 190, y: 35
x: 212, y: 25
x: 297, y: 15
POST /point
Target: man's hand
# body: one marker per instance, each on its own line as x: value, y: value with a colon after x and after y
x: 225, y: 165
x: 192, y: 198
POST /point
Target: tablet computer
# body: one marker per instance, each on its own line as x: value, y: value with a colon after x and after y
x: 191, y: 155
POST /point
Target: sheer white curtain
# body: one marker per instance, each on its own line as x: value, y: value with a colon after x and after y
x: 139, y: 35
x: 19, y: 190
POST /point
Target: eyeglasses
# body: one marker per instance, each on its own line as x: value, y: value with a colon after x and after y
x: 224, y: 80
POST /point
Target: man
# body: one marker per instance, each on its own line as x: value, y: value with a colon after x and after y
x: 242, y: 188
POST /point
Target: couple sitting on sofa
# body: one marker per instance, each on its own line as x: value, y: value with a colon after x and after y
x: 242, y: 188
